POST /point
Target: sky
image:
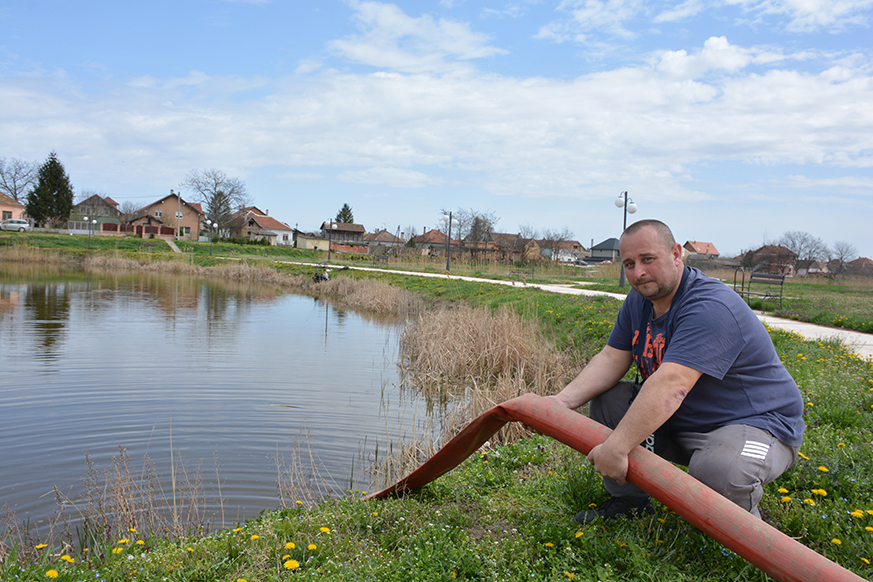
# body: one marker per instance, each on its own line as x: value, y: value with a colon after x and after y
x: 733, y: 121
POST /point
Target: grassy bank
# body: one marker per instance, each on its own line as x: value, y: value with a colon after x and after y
x: 508, y: 514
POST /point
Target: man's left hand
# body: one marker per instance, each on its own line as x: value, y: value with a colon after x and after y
x: 608, y: 463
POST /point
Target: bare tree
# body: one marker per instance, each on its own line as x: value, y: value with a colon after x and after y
x: 409, y: 232
x: 17, y: 176
x: 553, y: 239
x: 128, y: 209
x: 808, y: 248
x: 527, y: 232
x: 840, y: 253
x: 219, y: 193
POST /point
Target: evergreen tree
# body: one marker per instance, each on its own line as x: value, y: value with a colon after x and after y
x: 52, y: 198
x: 345, y: 215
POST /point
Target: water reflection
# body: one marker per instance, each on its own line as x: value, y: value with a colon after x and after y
x: 91, y: 362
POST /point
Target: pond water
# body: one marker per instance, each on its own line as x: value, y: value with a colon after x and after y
x: 232, y: 374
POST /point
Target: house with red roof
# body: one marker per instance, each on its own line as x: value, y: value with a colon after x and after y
x: 185, y: 219
x: 254, y: 224
x: 9, y: 208
x: 703, y: 250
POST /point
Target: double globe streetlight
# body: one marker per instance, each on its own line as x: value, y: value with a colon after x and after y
x: 90, y: 228
x: 629, y: 207
x: 210, y: 228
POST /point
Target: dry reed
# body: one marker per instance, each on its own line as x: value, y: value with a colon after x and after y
x: 475, y: 359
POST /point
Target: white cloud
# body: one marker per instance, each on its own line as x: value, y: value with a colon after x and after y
x: 586, y: 16
x: 682, y: 11
x: 390, y: 176
x: 812, y: 15
x: 390, y: 39
x: 842, y: 182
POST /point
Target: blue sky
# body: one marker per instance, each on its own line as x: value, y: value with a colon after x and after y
x: 733, y: 121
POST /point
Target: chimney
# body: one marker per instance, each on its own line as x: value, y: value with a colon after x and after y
x: 267, y: 212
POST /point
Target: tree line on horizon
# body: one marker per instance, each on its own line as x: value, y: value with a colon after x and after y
x: 47, y: 194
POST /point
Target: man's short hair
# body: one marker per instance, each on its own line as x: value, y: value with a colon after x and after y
x: 665, y: 235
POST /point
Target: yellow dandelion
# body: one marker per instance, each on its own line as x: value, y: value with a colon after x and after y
x: 241, y: 580
x: 190, y: 549
x: 868, y: 528
x: 785, y: 499
x: 375, y: 514
x: 866, y: 561
x: 67, y: 559
x: 579, y: 534
x: 841, y: 445
x: 291, y: 565
x: 41, y: 546
x: 289, y: 546
x: 782, y: 490
x: 51, y: 574
x: 311, y: 547
x: 298, y: 502
x: 821, y: 492
x: 285, y: 557
x: 324, y: 529
x: 132, y: 530
x: 117, y: 550
x: 255, y: 537
x: 802, y: 456
x: 139, y: 542
x: 836, y: 541
x: 857, y: 513
x: 809, y: 501
x: 550, y: 545
x: 870, y: 511
x: 823, y: 469
x: 123, y: 541
x: 237, y: 530
x: 570, y: 575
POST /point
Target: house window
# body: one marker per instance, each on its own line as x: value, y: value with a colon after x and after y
x: 159, y: 213
x: 7, y: 215
x: 186, y: 230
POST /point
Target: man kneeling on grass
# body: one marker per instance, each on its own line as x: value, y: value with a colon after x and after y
x: 714, y: 395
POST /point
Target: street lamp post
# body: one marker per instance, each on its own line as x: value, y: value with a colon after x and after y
x: 210, y: 228
x: 450, y: 220
x: 629, y: 207
x: 89, y: 230
x: 329, y: 236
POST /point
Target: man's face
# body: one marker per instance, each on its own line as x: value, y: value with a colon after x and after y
x: 652, y: 269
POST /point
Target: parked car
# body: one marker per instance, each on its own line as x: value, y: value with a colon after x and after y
x: 15, y: 224
x: 581, y: 263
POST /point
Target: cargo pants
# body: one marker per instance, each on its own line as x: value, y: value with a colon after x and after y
x: 735, y: 460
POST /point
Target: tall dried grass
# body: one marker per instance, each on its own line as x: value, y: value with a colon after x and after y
x: 368, y: 295
x: 473, y: 359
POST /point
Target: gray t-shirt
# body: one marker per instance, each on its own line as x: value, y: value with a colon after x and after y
x: 711, y: 329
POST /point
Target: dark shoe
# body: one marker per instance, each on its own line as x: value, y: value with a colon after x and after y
x: 616, y: 507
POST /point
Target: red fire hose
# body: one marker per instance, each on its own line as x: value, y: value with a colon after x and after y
x: 762, y: 545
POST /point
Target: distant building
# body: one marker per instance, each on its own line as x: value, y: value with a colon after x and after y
x: 9, y: 208
x: 253, y: 224
x: 97, y: 208
x: 173, y: 212
x: 703, y: 250
x: 343, y: 232
x: 606, y: 251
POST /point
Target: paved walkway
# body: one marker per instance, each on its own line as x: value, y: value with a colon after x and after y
x: 861, y: 343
